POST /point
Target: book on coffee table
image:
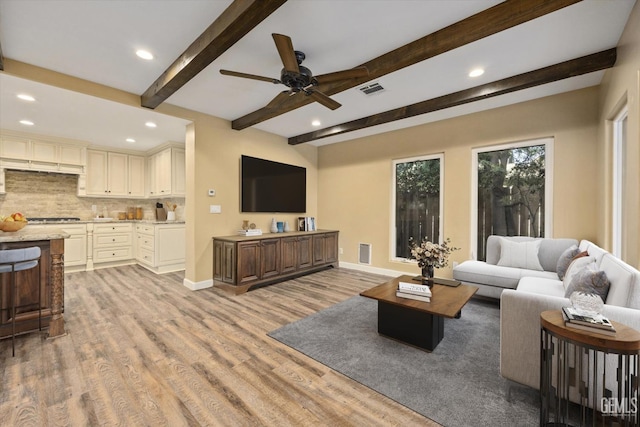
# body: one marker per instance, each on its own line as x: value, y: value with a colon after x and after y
x: 413, y: 296
x: 412, y: 288
x: 593, y: 321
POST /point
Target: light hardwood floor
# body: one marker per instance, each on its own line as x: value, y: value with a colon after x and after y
x: 143, y: 350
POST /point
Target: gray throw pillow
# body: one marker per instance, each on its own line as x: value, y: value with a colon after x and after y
x: 589, y: 281
x: 565, y: 259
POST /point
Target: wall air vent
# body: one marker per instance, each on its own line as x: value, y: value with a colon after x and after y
x: 364, y: 253
x: 371, y: 89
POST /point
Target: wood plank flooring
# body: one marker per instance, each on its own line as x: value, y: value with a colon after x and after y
x: 143, y: 350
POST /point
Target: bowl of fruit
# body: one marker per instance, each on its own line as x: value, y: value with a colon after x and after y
x: 14, y: 222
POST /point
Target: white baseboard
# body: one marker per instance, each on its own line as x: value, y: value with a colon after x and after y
x: 374, y: 270
x: 196, y: 286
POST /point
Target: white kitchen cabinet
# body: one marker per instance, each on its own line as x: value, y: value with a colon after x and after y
x: 161, y: 248
x: 112, y: 244
x: 75, y: 246
x: 47, y: 156
x: 167, y: 173
x: 136, y: 176
x: 107, y: 174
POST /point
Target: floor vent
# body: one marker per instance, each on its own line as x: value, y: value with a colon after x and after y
x: 372, y: 88
x: 364, y: 253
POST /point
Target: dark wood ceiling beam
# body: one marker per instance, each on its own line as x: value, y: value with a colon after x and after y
x: 233, y: 24
x: 498, y: 18
x: 572, y: 68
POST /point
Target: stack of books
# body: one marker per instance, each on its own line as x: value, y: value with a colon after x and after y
x: 414, y: 291
x: 250, y: 232
x: 596, y: 323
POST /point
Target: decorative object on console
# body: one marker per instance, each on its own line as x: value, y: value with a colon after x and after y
x: 274, y: 226
x: 245, y: 224
x: 306, y: 223
x: 286, y: 227
x: 430, y: 255
x: 280, y: 226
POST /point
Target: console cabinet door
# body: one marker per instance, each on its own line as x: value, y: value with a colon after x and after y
x: 305, y: 252
x: 224, y: 261
x: 331, y: 247
x: 269, y: 258
x: 248, y: 262
x: 318, y: 249
x: 289, y: 258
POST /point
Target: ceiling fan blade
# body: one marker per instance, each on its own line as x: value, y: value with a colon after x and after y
x: 324, y: 99
x: 279, y: 99
x: 286, y: 52
x: 249, y: 76
x: 343, y: 75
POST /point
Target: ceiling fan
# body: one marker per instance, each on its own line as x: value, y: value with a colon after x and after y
x: 299, y: 79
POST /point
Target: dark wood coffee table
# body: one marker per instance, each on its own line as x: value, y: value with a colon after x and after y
x: 418, y: 323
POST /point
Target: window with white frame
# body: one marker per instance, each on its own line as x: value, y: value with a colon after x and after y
x: 512, y: 192
x: 619, y: 176
x: 417, y: 202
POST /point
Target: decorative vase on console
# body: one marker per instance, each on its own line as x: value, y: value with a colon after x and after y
x: 274, y: 226
x: 286, y: 227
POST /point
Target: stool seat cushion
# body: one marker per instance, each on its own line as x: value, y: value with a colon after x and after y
x: 20, y: 259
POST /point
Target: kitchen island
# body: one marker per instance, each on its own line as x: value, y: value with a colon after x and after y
x: 49, y: 278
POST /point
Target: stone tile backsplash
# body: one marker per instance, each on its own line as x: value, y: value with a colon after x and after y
x: 40, y: 194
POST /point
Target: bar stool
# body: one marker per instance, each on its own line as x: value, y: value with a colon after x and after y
x: 12, y: 261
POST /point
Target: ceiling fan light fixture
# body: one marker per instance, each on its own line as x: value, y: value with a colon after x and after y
x: 476, y: 72
x: 144, y: 54
x: 26, y: 97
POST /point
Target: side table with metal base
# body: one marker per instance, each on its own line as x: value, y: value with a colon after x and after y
x: 597, y: 372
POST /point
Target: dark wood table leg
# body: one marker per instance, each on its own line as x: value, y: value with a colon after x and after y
x: 413, y: 327
x: 56, y: 325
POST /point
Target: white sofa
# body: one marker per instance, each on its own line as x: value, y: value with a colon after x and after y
x: 521, y: 307
x: 492, y: 279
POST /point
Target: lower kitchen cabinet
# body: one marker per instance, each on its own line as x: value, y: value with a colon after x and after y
x: 75, y: 246
x: 112, y: 244
x: 246, y: 262
x: 161, y: 248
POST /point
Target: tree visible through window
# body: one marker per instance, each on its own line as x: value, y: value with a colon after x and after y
x: 511, y: 194
x: 417, y: 186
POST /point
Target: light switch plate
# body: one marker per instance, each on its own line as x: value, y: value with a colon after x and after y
x: 215, y: 209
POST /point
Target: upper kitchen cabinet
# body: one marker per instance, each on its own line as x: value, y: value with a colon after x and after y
x: 17, y: 152
x: 111, y: 174
x: 167, y: 173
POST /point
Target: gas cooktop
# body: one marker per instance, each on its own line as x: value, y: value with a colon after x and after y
x: 54, y: 219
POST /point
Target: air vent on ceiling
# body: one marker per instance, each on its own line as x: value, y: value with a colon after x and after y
x: 364, y: 253
x: 371, y: 89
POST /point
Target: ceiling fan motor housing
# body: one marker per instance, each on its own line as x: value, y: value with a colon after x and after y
x: 297, y: 81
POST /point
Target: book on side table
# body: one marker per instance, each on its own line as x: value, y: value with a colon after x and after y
x: 592, y: 323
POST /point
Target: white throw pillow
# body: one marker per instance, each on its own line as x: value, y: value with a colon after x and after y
x: 577, y: 265
x: 520, y: 254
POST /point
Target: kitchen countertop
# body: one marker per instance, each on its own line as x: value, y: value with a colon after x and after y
x: 32, y: 233
x: 103, y: 221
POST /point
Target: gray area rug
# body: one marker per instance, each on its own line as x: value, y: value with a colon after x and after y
x: 458, y: 384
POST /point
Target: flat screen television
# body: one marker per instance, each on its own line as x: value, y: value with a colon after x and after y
x: 269, y: 186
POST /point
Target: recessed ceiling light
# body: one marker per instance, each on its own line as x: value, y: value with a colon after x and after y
x: 476, y: 72
x: 144, y: 54
x: 131, y: 140
x: 316, y: 123
x: 26, y: 97
x: 150, y: 125
x: 26, y: 122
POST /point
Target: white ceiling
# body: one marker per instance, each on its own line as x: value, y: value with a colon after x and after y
x: 96, y: 40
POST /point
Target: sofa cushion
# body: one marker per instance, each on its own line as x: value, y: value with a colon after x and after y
x: 542, y: 286
x: 589, y: 280
x: 493, y: 275
x: 624, y: 280
x: 565, y: 259
x: 550, y: 249
x: 576, y: 266
x: 520, y: 254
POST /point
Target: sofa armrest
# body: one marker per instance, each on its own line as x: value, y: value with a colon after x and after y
x: 627, y: 316
x: 520, y: 334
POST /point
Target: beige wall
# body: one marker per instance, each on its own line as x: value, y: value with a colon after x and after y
x: 354, y: 194
x: 622, y: 85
